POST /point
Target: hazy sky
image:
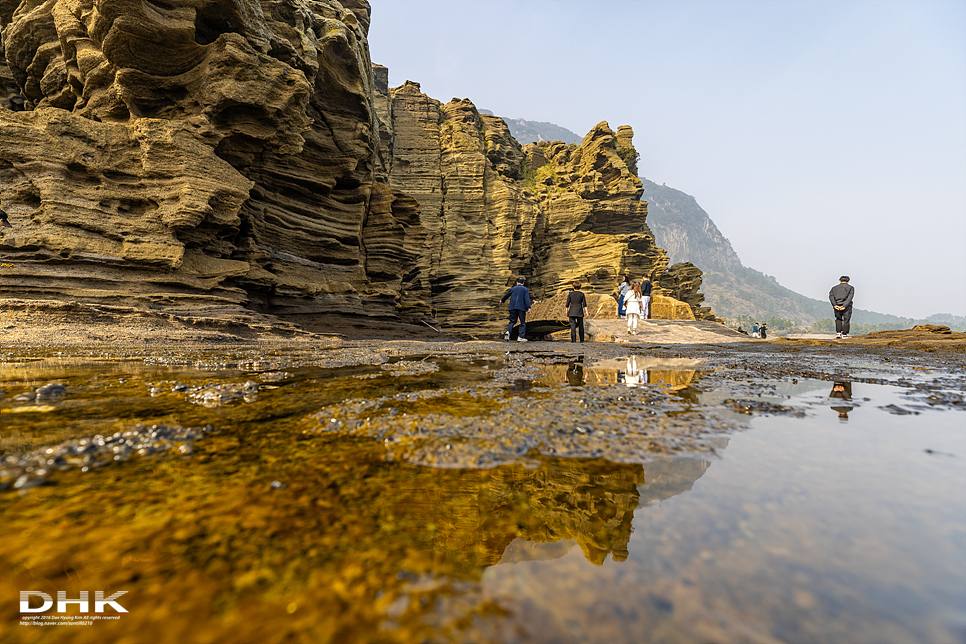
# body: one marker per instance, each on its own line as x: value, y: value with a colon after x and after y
x: 823, y: 138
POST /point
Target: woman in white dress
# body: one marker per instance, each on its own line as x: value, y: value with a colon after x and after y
x: 634, y: 304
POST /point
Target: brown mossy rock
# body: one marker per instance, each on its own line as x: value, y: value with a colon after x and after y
x: 932, y: 328
x: 684, y: 280
x: 599, y: 307
x: 668, y: 308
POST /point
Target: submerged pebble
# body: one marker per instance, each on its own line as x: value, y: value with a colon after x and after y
x: 34, y: 468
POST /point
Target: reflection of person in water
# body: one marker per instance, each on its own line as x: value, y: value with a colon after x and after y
x: 634, y: 376
x: 843, y: 391
x: 575, y: 374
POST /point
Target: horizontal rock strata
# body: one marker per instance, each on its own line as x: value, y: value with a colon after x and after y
x: 248, y: 156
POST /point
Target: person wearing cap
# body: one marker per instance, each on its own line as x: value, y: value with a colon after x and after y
x: 4, y: 222
x: 841, y: 298
x: 518, y: 307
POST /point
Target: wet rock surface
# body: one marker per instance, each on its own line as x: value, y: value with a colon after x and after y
x: 36, y: 468
x: 438, y: 491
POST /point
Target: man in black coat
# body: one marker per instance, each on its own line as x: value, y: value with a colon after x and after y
x: 841, y: 298
x: 576, y: 311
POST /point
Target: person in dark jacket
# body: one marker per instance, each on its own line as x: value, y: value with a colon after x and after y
x: 841, y: 298
x: 518, y: 307
x: 843, y: 391
x: 576, y: 310
x: 646, y: 293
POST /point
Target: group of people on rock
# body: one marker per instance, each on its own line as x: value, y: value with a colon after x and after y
x: 634, y: 302
x: 519, y: 306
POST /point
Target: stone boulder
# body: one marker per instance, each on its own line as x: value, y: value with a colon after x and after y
x: 599, y: 307
x: 668, y: 308
x: 932, y: 328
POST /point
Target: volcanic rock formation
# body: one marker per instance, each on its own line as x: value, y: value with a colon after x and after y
x: 220, y: 156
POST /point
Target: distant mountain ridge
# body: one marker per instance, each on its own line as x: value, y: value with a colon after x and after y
x: 732, y: 290
x: 535, y: 131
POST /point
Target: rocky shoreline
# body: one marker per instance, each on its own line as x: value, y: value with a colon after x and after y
x: 52, y: 323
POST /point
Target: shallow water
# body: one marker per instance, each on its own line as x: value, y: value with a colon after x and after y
x: 380, y: 494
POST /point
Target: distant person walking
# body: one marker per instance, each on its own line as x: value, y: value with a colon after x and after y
x: 621, y: 293
x: 763, y: 331
x: 518, y: 308
x: 841, y: 298
x: 754, y: 330
x: 646, y: 294
x: 635, y: 306
x: 576, y: 311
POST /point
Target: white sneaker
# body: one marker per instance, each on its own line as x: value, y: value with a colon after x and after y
x: 838, y: 335
x: 846, y: 337
x: 506, y: 336
x: 521, y: 339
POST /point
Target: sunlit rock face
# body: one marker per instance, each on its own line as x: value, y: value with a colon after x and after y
x: 491, y: 210
x: 191, y: 152
x: 236, y: 154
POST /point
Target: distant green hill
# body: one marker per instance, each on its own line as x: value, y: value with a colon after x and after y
x: 737, y: 292
x: 734, y: 291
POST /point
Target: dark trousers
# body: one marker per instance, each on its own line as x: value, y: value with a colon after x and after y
x: 575, y: 324
x: 522, y: 316
x: 842, y: 319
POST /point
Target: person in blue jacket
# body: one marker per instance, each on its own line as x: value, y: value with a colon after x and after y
x: 621, y: 293
x: 518, y: 307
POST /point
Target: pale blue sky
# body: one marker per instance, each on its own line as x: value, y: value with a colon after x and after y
x: 822, y: 137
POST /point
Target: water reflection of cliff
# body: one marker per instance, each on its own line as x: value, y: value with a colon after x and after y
x: 513, y: 514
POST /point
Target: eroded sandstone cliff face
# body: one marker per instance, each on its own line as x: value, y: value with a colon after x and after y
x: 491, y: 210
x: 214, y: 153
x: 245, y: 155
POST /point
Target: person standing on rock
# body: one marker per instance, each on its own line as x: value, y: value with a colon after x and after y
x: 621, y: 295
x: 576, y: 310
x: 841, y: 298
x: 518, y: 307
x: 754, y: 330
x: 646, y: 302
x: 763, y: 331
x: 635, y: 306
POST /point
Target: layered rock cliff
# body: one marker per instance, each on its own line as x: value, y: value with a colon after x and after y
x: 246, y: 156
x: 491, y: 210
